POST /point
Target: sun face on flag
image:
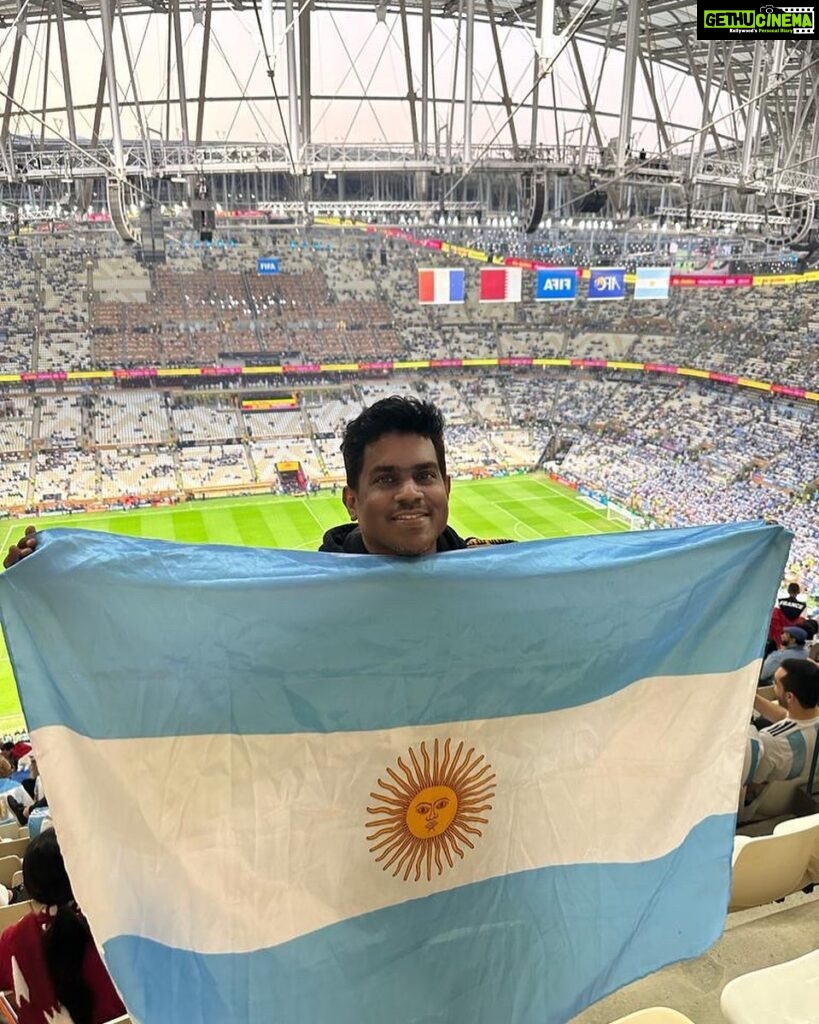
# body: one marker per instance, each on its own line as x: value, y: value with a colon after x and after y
x: 428, y: 812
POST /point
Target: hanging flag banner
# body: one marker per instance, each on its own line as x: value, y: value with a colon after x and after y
x: 556, y: 285
x: 501, y: 284
x: 267, y: 265
x: 441, y: 286
x: 350, y: 789
x: 607, y: 283
x: 652, y: 282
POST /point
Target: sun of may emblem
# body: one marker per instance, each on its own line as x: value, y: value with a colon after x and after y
x: 429, y: 810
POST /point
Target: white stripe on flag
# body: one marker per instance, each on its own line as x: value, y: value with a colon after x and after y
x: 284, y: 817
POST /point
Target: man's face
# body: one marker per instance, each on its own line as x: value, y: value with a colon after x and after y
x: 779, y: 690
x: 787, y: 640
x: 402, y: 498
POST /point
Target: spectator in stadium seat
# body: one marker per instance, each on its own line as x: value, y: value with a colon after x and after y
x: 792, y: 608
x: 793, y: 647
x: 784, y: 750
x: 48, y: 958
x: 11, y: 790
x: 397, y: 492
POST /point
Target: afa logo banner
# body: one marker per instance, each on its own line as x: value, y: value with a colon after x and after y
x: 556, y: 285
x: 756, y: 21
x: 607, y: 283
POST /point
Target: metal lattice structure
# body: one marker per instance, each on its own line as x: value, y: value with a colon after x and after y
x: 539, y: 104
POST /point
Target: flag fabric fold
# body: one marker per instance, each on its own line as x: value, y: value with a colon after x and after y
x: 321, y: 788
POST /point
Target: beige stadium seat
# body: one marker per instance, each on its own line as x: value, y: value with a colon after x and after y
x: 655, y: 1015
x: 785, y: 993
x: 12, y: 914
x: 10, y: 830
x: 767, y: 868
x: 16, y: 879
x: 14, y: 848
x: 9, y: 866
x: 120, y: 1020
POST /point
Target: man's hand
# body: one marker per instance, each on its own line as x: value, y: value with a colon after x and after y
x: 24, y: 546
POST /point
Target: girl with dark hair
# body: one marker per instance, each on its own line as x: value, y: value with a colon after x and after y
x: 49, y: 958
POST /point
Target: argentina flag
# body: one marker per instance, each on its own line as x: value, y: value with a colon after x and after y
x: 490, y: 785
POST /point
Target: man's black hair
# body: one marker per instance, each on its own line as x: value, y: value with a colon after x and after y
x: 793, y: 589
x: 802, y: 680
x: 394, y: 415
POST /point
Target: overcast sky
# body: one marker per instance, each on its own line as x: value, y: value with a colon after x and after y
x: 355, y: 56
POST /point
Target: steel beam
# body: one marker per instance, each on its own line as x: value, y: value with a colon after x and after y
x: 587, y: 99
x: 203, y: 72
x: 305, y: 79
x: 468, y: 79
x: 132, y: 78
x: 10, y: 86
x: 411, y: 97
x: 426, y: 39
x: 507, y: 99
x: 59, y: 14
x: 536, y: 76
x: 106, y: 14
x: 45, y: 82
x: 629, y: 77
x: 751, y: 112
x: 663, y: 141
x: 180, y: 69
x: 292, y: 80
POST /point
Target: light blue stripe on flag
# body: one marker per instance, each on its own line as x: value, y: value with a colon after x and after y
x: 335, y: 788
x: 652, y: 282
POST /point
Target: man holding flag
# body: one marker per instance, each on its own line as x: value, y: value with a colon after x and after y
x: 398, y: 792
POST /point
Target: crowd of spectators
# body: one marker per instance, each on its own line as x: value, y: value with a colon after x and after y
x: 675, y: 449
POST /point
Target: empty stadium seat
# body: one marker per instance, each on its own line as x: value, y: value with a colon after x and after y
x: 655, y: 1015
x: 786, y: 993
x: 767, y: 868
x: 8, y: 867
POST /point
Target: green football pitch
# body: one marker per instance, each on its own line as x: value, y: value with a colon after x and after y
x: 520, y: 507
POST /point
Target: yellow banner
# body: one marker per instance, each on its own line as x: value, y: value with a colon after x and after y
x: 764, y: 280
x: 287, y: 467
x: 178, y: 371
x: 479, y: 362
x: 692, y: 373
x: 88, y: 374
x: 760, y: 385
x: 624, y: 366
x: 551, y: 362
x: 411, y: 364
x: 339, y: 367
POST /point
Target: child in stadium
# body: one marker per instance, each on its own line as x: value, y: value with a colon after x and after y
x: 48, y: 958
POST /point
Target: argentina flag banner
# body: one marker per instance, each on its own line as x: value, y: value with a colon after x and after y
x: 488, y: 785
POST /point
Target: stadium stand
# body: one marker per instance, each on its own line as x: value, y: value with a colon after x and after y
x: 675, y: 450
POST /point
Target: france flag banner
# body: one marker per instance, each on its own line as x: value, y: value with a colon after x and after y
x: 350, y: 789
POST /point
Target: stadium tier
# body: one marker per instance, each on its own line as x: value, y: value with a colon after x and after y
x: 661, y: 441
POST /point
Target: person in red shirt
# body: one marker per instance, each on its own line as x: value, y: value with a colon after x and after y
x: 48, y: 958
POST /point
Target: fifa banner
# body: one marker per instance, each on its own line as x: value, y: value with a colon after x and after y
x: 607, y: 283
x: 267, y: 266
x: 652, y: 282
x: 556, y: 285
x: 500, y: 284
x: 351, y: 789
x: 441, y: 285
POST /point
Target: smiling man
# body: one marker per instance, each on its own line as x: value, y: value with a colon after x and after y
x: 397, y: 491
